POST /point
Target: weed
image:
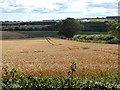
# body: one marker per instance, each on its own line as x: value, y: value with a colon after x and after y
x: 18, y: 81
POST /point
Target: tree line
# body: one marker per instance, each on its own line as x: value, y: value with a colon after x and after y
x: 68, y: 27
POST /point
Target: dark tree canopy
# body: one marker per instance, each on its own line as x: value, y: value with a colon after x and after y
x: 115, y: 28
x: 69, y: 27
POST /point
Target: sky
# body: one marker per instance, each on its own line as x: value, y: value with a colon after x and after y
x: 37, y: 10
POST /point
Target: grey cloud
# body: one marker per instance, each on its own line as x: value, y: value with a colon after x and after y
x: 5, y: 10
x: 60, y: 8
x: 19, y: 10
x: 16, y: 10
x: 12, y: 7
x: 95, y: 14
x: 16, y: 5
x: 40, y: 10
x: 104, y: 5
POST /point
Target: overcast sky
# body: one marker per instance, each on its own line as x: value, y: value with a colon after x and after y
x: 35, y: 10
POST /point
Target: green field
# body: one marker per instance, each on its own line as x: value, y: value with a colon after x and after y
x: 40, y: 33
x: 27, y: 34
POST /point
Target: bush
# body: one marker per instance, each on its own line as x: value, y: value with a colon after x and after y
x: 114, y: 28
x: 114, y: 41
x: 82, y: 36
x: 89, y: 37
x: 97, y: 38
x: 75, y: 37
x: 103, y: 37
x: 108, y: 37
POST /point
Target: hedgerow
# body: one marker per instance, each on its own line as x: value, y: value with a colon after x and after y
x: 97, y: 38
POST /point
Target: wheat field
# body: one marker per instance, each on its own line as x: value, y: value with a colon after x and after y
x: 51, y: 56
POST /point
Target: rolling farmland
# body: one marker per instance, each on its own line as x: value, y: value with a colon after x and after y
x: 52, y: 56
x: 27, y: 34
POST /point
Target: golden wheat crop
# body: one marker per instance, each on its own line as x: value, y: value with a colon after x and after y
x: 52, y: 56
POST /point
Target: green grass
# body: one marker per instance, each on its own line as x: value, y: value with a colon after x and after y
x: 27, y: 34
x: 40, y: 33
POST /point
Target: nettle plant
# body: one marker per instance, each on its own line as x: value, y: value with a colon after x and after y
x: 72, y: 69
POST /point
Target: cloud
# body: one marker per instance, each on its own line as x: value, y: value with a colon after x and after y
x: 48, y: 5
x: 61, y: 7
x: 33, y: 5
x: 102, y: 1
x: 75, y: 8
x: 104, y: 5
x: 103, y: 8
x: 9, y: 6
x: 55, y: 5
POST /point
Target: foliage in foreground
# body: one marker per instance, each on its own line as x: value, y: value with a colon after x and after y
x: 12, y: 80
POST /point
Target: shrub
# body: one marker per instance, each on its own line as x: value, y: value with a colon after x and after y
x: 82, y: 37
x: 114, y: 28
x: 114, y: 41
x: 108, y: 37
x: 75, y: 37
x: 89, y: 37
x: 98, y: 37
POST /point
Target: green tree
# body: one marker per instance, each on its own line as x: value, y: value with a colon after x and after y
x: 69, y: 27
x: 114, y: 28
